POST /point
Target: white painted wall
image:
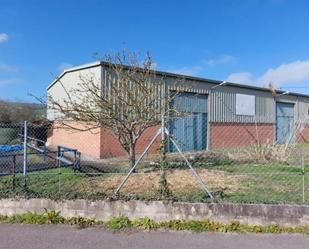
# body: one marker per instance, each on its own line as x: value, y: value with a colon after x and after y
x: 69, y: 81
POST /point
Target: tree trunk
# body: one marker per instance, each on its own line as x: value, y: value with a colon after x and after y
x: 132, y: 158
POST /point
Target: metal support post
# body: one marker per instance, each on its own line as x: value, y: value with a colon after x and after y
x: 137, y: 162
x: 25, y: 154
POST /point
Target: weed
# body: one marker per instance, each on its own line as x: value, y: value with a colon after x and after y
x: 145, y: 223
x: 163, y: 189
x: 53, y: 217
x: 81, y: 222
x: 26, y: 218
x: 119, y: 222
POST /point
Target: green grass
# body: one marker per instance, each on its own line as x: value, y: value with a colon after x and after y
x: 256, y: 183
x: 7, y: 135
x: 123, y: 222
x: 259, y: 168
x: 267, y: 183
x: 53, y: 183
x: 270, y: 189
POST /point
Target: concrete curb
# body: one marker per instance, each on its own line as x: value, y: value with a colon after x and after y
x: 252, y: 214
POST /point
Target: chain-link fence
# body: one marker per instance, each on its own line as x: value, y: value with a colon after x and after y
x: 238, y: 162
x: 247, y: 162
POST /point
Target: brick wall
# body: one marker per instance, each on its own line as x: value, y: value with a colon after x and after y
x: 227, y: 135
x: 302, y: 133
x: 98, y: 143
x: 110, y: 146
x: 101, y: 143
x: 87, y: 142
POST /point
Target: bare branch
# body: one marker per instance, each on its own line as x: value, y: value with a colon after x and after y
x: 131, y: 100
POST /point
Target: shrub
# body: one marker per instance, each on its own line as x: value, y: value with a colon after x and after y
x: 27, y: 218
x: 53, y: 217
x: 206, y: 159
x: 267, y: 152
x: 145, y: 223
x: 163, y: 189
x: 119, y: 222
x: 81, y: 222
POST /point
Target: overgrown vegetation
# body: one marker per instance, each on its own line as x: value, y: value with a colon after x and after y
x: 238, y: 180
x: 241, y: 183
x: 48, y: 217
x: 16, y: 112
x: 119, y: 223
x: 123, y: 222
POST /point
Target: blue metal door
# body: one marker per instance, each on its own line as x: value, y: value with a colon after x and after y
x: 190, y: 130
x: 284, y: 122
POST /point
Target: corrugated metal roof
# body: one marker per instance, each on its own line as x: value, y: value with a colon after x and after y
x: 174, y: 75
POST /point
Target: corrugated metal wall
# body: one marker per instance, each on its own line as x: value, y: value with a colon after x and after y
x: 285, y: 129
x: 222, y: 100
x: 223, y: 108
x: 190, y: 130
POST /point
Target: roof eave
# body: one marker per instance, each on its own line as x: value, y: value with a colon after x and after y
x: 72, y: 69
x: 187, y: 77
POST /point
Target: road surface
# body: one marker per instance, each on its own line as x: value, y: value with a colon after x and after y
x: 18, y: 236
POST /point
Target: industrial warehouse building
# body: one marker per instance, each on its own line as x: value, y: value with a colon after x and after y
x: 222, y: 115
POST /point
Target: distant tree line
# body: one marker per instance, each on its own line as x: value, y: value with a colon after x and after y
x: 16, y: 112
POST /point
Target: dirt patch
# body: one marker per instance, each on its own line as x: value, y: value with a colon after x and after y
x: 178, y: 181
x: 137, y: 183
x: 184, y: 181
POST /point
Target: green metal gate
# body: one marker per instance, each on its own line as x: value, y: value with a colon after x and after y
x: 285, y: 122
x: 190, y: 130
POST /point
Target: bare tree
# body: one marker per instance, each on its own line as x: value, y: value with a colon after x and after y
x: 132, y: 99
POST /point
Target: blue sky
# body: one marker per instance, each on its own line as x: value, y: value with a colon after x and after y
x: 245, y: 41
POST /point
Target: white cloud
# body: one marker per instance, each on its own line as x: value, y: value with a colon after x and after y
x: 6, y: 68
x: 294, y: 72
x: 224, y: 59
x: 4, y: 37
x: 195, y: 70
x: 154, y: 66
x: 204, y: 65
x: 291, y: 73
x: 243, y: 77
x: 63, y: 66
x: 8, y: 74
x: 8, y: 81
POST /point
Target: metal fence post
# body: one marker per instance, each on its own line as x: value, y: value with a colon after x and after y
x: 163, y: 142
x: 14, y: 172
x: 25, y: 154
x: 303, y: 177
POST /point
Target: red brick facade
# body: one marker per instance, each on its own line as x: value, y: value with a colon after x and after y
x: 227, y: 135
x: 99, y: 143
x: 302, y: 133
x: 110, y: 146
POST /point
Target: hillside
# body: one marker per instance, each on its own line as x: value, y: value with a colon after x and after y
x: 15, y: 112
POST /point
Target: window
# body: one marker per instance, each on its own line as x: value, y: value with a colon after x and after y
x: 245, y: 104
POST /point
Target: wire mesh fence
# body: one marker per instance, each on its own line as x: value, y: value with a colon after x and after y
x: 242, y: 162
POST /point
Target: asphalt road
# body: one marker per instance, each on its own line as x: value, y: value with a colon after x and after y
x: 65, y: 237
